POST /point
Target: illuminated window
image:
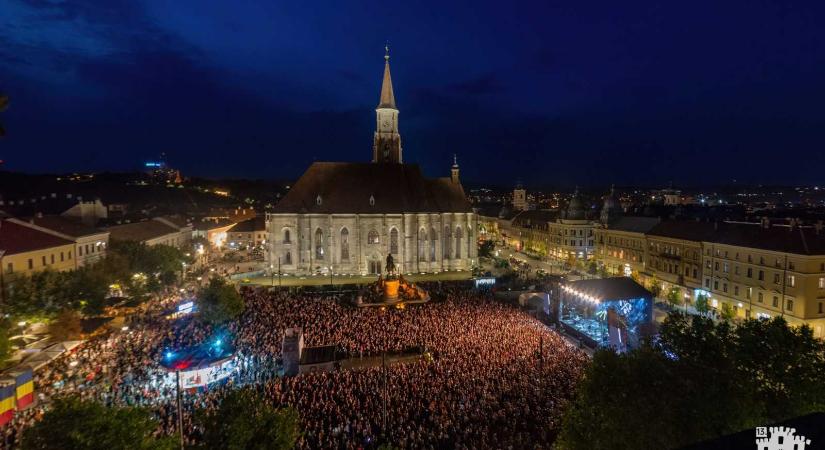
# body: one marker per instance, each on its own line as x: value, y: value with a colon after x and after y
x: 372, y: 237
x: 319, y: 244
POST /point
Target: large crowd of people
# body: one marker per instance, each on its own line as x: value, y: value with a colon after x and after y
x: 489, y: 374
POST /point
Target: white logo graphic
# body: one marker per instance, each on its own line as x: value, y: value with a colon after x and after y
x: 781, y: 438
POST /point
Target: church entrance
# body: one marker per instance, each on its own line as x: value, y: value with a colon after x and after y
x: 374, y: 267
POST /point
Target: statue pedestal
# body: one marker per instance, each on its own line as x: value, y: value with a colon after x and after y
x: 391, y: 290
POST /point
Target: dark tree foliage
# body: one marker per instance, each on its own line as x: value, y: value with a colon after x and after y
x: 219, y: 302
x: 699, y: 381
x: 245, y: 421
x: 485, y: 250
x: 72, y: 423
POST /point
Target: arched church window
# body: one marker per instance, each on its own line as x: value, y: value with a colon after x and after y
x: 286, y: 236
x: 318, y: 200
x: 432, y: 244
x: 448, y: 238
x: 372, y: 237
x: 319, y: 244
x: 344, y: 244
x: 422, y: 244
x: 288, y: 258
x: 394, y: 241
x: 458, y: 234
x: 372, y: 200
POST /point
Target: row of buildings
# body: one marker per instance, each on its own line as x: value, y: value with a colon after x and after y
x: 757, y: 269
x: 61, y: 243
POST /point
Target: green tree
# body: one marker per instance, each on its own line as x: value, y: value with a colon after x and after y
x: 74, y: 423
x: 161, y: 264
x: 702, y: 304
x: 245, y: 421
x: 219, y: 302
x: 674, y: 296
x: 592, y: 268
x: 485, y: 249
x: 726, y: 377
x: 783, y: 364
x: 5, y: 345
x: 655, y: 287
x: 727, y: 312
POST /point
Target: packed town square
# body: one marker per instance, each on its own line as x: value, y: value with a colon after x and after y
x: 487, y: 374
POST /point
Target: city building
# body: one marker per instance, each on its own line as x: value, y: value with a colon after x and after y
x: 24, y: 250
x: 213, y: 230
x: 572, y: 235
x: 674, y: 255
x: 160, y: 230
x: 345, y: 218
x: 247, y: 234
x: 519, y: 199
x: 767, y: 270
x: 621, y: 245
x: 742, y: 269
x: 90, y: 244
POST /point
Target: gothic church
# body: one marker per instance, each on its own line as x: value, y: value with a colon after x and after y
x: 346, y: 217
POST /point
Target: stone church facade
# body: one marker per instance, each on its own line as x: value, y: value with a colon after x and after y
x: 345, y: 218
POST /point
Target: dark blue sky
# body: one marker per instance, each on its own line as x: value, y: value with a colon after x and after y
x: 560, y: 92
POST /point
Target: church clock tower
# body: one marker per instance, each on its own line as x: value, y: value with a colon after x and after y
x: 386, y: 146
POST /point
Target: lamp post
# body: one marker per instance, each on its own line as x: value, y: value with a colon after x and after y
x: 271, y: 275
x: 279, y: 271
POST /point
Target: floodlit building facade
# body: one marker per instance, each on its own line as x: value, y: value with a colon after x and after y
x: 345, y: 218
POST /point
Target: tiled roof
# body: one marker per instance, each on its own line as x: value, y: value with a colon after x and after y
x: 16, y: 238
x: 65, y: 226
x: 140, y: 231
x: 532, y: 218
x: 337, y: 187
x: 797, y: 240
x: 687, y: 230
x: 801, y: 240
x: 249, y: 225
x: 634, y: 224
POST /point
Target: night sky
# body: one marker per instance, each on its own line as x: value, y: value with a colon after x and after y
x: 549, y: 93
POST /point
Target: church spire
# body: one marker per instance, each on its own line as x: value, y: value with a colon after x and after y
x: 454, y: 169
x: 387, y: 97
x: 386, y: 145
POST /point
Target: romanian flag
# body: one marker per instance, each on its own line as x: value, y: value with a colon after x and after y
x: 7, y: 394
x: 24, y: 385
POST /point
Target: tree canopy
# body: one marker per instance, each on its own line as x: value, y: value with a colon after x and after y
x: 245, y: 421
x: 219, y: 302
x: 700, y: 380
x: 75, y: 423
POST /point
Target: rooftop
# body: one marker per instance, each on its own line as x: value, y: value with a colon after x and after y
x: 16, y: 238
x: 257, y: 223
x: 634, y: 224
x: 377, y: 188
x: 801, y: 240
x: 64, y: 225
x: 140, y: 231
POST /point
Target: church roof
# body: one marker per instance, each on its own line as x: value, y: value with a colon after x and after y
x: 387, y: 97
x: 364, y: 188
